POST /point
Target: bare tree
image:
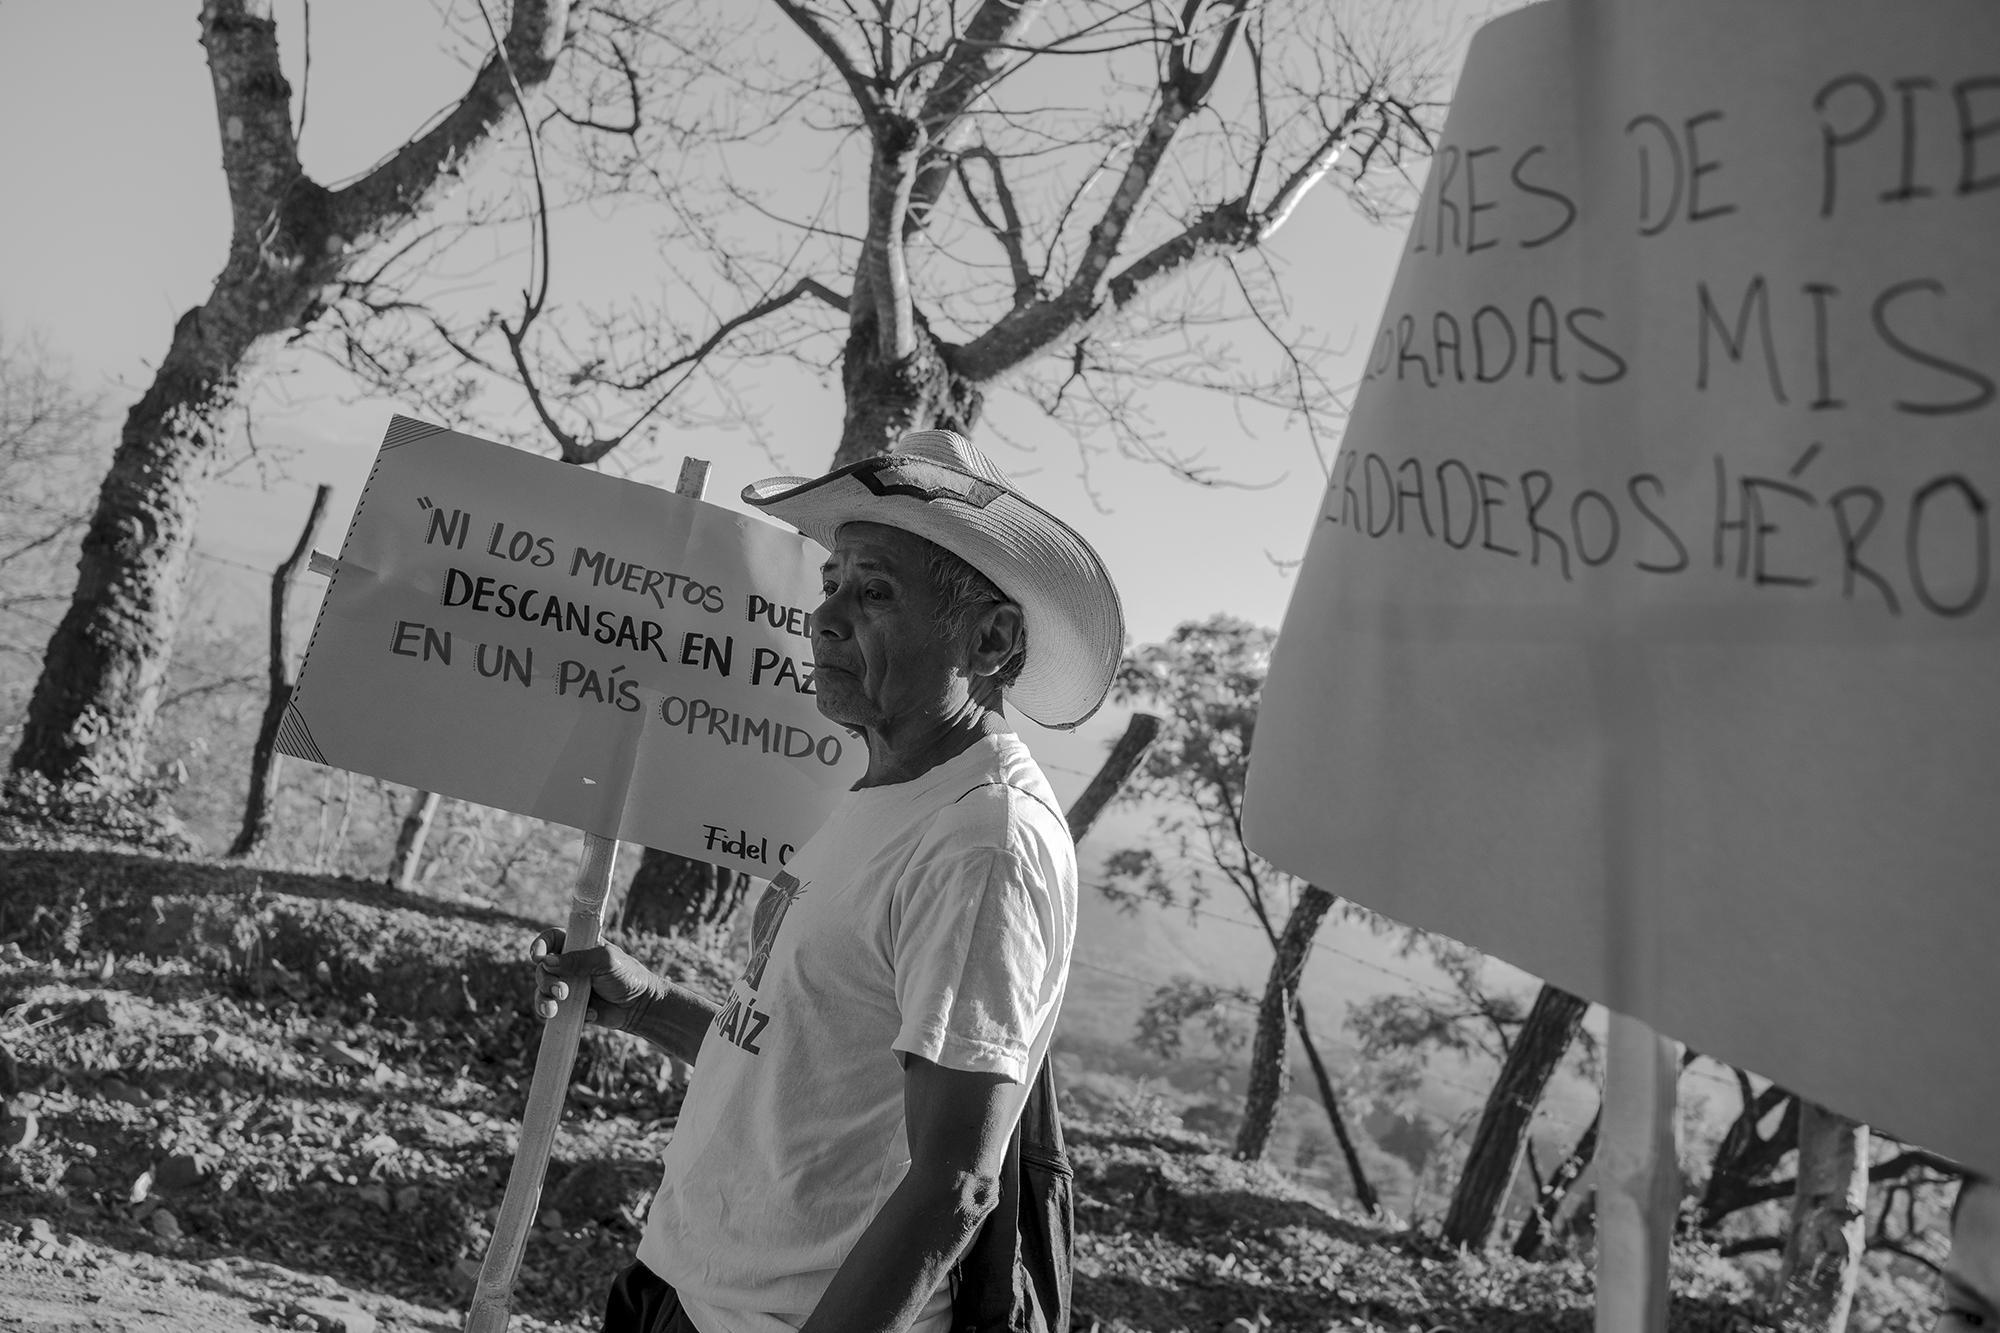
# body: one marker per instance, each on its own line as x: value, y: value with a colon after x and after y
x: 1499, y: 1143
x: 264, y: 757
x: 681, y: 897
x: 1270, y: 1071
x: 1743, y: 1172
x: 411, y: 835
x: 293, y: 241
x: 1205, y: 680
x: 48, y: 431
x: 1080, y: 224
x: 1072, y: 201
x: 1541, y: 1225
x: 1771, y: 1127
x: 979, y: 223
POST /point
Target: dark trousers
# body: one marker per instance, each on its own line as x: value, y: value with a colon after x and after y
x: 642, y: 1302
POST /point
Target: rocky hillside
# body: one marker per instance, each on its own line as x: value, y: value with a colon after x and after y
x: 243, y: 1097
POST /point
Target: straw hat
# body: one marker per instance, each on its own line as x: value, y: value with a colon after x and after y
x: 936, y: 485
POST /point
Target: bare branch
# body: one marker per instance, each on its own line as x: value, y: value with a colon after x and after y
x: 1308, y: 174
x: 813, y: 24
x: 812, y: 287
x: 1088, y: 296
x: 540, y: 222
x: 976, y: 59
x: 575, y: 450
x: 737, y: 193
x: 188, y: 695
x: 885, y: 272
x: 885, y: 60
x: 398, y: 189
x: 1912, y: 1159
x: 1008, y: 229
x: 1137, y: 178
x: 1299, y: 370
x: 305, y: 74
x: 67, y: 526
x: 1182, y: 91
x: 260, y: 158
x: 1908, y: 1251
x: 630, y: 128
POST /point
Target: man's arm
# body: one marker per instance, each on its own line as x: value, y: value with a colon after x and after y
x: 675, y: 1021
x: 625, y: 994
x: 959, y: 1124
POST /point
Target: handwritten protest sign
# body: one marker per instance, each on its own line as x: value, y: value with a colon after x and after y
x: 517, y: 632
x: 1647, y: 635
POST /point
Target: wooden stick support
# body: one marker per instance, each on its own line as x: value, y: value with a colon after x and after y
x: 492, y: 1296
x: 1638, y: 1178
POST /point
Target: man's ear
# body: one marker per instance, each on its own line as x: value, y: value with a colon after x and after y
x: 995, y: 637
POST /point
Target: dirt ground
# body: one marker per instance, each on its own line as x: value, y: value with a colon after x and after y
x: 236, y: 1099
x: 54, y: 1283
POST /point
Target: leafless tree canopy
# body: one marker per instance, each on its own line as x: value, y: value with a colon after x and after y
x: 49, y: 457
x: 930, y: 199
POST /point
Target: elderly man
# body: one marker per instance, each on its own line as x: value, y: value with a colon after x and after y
x: 852, y: 1101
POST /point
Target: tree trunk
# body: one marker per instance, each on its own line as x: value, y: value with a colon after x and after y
x: 1270, y: 1072
x: 1823, y: 1251
x: 263, y: 755
x: 1541, y: 1224
x: 1117, y: 767
x: 410, y: 838
x: 1364, y: 1192
x: 1495, y: 1157
x: 682, y: 897
x: 1746, y: 1158
x: 94, y: 702
x: 888, y: 397
x: 291, y: 241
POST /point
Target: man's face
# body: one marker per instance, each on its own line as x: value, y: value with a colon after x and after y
x: 1972, y: 1274
x: 882, y: 660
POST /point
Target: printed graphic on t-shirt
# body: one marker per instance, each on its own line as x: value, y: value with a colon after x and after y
x: 779, y: 895
x: 741, y: 1023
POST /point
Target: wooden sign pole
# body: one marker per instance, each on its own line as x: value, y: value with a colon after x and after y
x: 1638, y: 1178
x: 493, y: 1294
x: 1637, y: 1162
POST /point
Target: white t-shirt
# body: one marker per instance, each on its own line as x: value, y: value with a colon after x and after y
x: 933, y: 917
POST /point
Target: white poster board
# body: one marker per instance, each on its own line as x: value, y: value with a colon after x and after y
x: 1647, y: 636
x: 514, y: 631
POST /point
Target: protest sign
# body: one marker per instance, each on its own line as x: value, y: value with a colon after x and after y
x: 514, y: 631
x: 1646, y: 637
